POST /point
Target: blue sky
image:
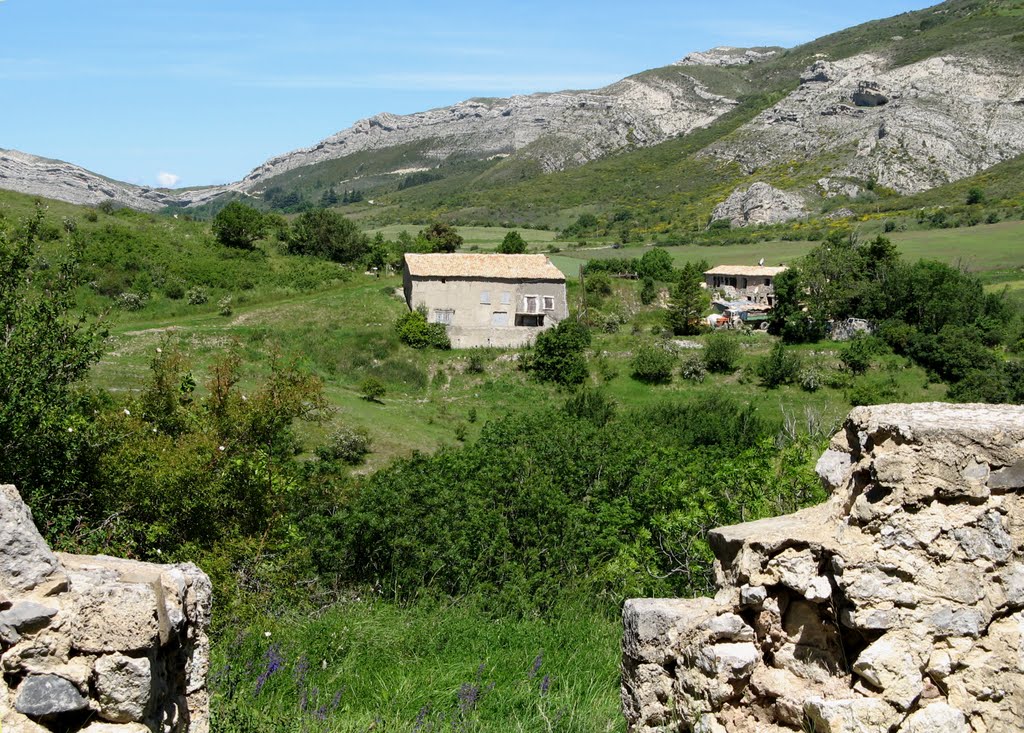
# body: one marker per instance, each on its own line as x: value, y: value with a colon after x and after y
x: 201, y: 91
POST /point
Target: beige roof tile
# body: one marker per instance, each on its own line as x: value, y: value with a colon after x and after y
x: 745, y: 271
x: 483, y: 266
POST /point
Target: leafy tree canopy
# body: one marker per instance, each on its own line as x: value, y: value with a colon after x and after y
x: 512, y: 244
x: 239, y: 225
x: 328, y: 234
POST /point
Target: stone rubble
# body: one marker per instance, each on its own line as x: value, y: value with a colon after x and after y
x: 897, y: 606
x: 97, y: 644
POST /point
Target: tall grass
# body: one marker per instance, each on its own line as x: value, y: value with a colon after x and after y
x: 373, y: 665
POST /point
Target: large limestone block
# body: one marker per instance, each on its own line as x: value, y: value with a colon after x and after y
x: 124, y: 687
x: 893, y: 665
x: 653, y: 625
x: 850, y: 715
x: 935, y: 718
x: 26, y: 561
x: 113, y: 616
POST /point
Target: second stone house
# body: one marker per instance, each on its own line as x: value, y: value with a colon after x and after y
x: 738, y: 282
x: 487, y: 299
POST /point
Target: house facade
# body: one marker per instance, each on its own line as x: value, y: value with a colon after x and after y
x: 737, y: 282
x: 487, y: 299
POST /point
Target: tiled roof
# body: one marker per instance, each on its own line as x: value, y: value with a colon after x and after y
x: 483, y: 266
x: 744, y: 271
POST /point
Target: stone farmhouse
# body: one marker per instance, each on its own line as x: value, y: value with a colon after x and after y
x: 487, y: 299
x: 737, y: 282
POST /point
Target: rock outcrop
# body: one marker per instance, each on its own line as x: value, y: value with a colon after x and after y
x: 760, y: 204
x: 97, y: 644
x: 559, y: 129
x: 729, y: 56
x: 62, y: 181
x: 895, y: 606
x: 908, y: 128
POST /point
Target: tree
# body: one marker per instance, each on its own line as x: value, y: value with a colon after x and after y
x: 373, y: 389
x: 239, y: 225
x: 329, y: 198
x: 512, y: 244
x: 779, y: 367
x: 442, y: 237
x: 326, y: 233
x: 689, y: 301
x: 975, y: 196
x: 44, y: 352
x: 656, y: 264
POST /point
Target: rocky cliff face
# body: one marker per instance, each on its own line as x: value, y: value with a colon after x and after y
x: 909, y: 128
x: 896, y: 606
x: 759, y: 204
x: 97, y: 644
x: 55, y: 179
x: 728, y: 56
x: 576, y: 126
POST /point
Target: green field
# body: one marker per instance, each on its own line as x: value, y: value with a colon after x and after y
x: 981, y: 248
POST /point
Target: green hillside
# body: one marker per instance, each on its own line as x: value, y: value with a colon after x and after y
x: 667, y: 191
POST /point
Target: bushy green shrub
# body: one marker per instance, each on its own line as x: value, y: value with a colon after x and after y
x: 859, y: 353
x: 558, y: 354
x: 721, y: 353
x: 197, y: 295
x: 693, y: 368
x: 780, y: 367
x: 372, y: 389
x: 347, y: 445
x: 653, y: 364
x: 414, y: 330
x: 648, y: 292
x: 131, y: 301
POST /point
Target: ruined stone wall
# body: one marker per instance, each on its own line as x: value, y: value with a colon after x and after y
x: 897, y: 605
x: 97, y: 644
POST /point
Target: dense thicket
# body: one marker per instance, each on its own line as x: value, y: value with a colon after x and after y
x: 935, y: 314
x: 553, y: 501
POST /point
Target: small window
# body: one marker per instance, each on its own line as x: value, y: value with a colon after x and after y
x: 530, y: 320
x: 445, y: 316
x: 506, y: 298
x: 499, y: 319
x: 530, y: 304
x: 485, y: 297
x: 767, y: 281
x: 549, y: 302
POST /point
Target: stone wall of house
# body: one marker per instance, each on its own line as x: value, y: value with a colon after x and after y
x: 97, y: 644
x: 897, y: 605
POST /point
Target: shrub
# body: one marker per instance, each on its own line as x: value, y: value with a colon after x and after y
x: 721, y: 353
x: 175, y: 290
x: 326, y: 233
x: 653, y: 364
x: 414, y: 330
x: 593, y: 405
x: 347, y: 445
x: 648, y: 292
x: 810, y: 379
x: 779, y: 367
x: 224, y: 306
x: 476, y: 363
x: 693, y: 368
x: 599, y: 284
x: 557, y: 355
x: 858, y: 354
x: 373, y: 390
x: 130, y: 301
x: 197, y: 295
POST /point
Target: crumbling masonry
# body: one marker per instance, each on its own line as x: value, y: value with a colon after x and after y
x: 897, y: 605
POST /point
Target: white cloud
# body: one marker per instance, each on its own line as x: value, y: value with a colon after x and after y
x: 167, y: 180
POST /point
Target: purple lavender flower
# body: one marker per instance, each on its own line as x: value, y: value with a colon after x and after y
x: 273, y: 661
x: 537, y: 662
x: 545, y: 684
x: 468, y: 695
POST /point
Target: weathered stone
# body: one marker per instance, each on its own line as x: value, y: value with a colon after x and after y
x: 124, y: 687
x: 760, y: 203
x: 654, y: 624
x: 938, y: 717
x: 893, y: 665
x: 43, y: 696
x: 26, y: 615
x: 1008, y: 477
x: 834, y: 468
x: 25, y: 559
x: 853, y: 715
x: 101, y: 727
x: 114, y: 617
x: 925, y: 561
